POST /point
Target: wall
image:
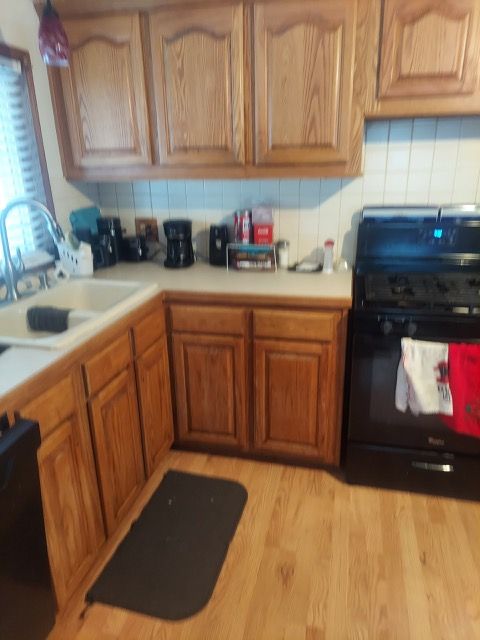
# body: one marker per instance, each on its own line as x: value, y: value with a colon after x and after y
x: 434, y: 160
x: 18, y: 28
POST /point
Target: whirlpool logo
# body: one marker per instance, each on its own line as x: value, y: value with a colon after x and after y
x: 438, y: 442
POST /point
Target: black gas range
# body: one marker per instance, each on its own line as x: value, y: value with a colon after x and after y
x: 417, y: 274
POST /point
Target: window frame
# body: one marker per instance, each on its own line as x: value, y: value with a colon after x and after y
x: 23, y: 57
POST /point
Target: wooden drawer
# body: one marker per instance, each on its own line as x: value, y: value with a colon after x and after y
x: 295, y: 325
x: 218, y: 320
x: 148, y: 330
x: 106, y: 364
x: 53, y: 406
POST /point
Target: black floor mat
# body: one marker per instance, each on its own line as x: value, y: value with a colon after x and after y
x: 168, y: 564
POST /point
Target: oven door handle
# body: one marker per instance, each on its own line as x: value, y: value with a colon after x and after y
x: 431, y: 466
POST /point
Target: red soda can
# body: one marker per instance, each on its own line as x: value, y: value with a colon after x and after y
x: 245, y: 227
x: 236, y: 227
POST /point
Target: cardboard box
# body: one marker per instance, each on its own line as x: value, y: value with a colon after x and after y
x: 263, y: 233
x: 262, y: 218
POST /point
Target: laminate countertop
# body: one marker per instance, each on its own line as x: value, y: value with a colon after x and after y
x: 18, y: 364
x: 202, y: 278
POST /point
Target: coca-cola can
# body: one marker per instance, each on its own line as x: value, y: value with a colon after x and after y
x: 245, y: 224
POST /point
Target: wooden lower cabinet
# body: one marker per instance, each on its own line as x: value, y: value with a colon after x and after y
x: 210, y: 386
x: 117, y: 439
x: 71, y: 504
x: 153, y: 383
x: 294, y: 397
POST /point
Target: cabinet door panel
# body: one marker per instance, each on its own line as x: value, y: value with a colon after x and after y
x: 155, y: 403
x: 210, y: 388
x: 104, y: 92
x: 303, y: 54
x: 197, y: 57
x: 429, y: 48
x: 118, y: 446
x: 294, y: 402
x: 72, y: 513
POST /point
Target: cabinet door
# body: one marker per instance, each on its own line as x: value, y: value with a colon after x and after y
x: 304, y: 57
x: 197, y: 57
x: 429, y: 48
x: 73, y: 520
x: 71, y: 502
x: 117, y: 439
x: 153, y: 378
x: 210, y: 386
x: 295, y: 405
x: 104, y: 92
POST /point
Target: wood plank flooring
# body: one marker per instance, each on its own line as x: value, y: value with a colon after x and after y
x: 316, y: 559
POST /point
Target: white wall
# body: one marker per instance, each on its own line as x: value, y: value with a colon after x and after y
x: 18, y: 28
x: 429, y: 160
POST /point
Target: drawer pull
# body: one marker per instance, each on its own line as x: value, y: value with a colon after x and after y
x: 430, y: 466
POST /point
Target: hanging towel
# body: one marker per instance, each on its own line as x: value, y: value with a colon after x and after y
x: 422, y: 378
x: 464, y: 377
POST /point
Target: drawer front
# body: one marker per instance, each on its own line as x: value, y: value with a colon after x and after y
x: 217, y: 320
x: 53, y: 406
x: 295, y: 325
x: 106, y: 364
x: 148, y: 330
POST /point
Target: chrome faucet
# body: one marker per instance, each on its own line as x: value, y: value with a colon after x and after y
x: 12, y: 273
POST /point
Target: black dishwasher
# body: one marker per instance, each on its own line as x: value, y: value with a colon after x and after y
x: 27, y: 604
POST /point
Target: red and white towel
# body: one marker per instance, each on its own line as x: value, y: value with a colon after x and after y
x: 464, y: 376
x: 422, y: 378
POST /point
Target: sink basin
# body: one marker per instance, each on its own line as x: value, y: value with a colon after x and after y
x: 94, y: 303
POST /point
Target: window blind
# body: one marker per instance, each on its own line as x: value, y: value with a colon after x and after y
x: 20, y: 170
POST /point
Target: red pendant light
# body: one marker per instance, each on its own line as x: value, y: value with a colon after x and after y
x: 52, y: 39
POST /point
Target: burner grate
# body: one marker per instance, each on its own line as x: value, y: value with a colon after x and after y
x: 444, y: 291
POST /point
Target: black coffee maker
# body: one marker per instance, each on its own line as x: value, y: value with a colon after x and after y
x: 179, y: 243
x: 218, y: 245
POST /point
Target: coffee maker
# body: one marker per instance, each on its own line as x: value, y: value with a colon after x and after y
x: 218, y: 245
x: 179, y: 243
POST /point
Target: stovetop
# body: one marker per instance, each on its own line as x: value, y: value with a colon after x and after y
x: 456, y: 292
x: 418, y: 262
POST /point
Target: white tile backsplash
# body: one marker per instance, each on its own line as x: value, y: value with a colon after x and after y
x: 413, y: 161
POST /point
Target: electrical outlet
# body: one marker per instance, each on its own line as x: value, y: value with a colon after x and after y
x: 147, y: 227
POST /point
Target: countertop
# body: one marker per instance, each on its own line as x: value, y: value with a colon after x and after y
x: 18, y: 364
x: 203, y: 278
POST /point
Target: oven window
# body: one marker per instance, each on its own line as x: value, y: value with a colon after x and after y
x: 373, y: 417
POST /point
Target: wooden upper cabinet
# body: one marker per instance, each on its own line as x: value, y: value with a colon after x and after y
x: 197, y: 58
x: 303, y: 60
x: 429, y: 57
x: 104, y: 92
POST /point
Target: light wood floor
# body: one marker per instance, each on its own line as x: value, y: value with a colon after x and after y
x: 314, y: 558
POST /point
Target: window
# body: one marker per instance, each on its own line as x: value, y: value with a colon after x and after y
x: 22, y: 160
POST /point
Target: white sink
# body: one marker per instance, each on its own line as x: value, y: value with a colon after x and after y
x: 95, y: 303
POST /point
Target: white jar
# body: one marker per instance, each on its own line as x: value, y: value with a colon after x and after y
x: 282, y: 254
x: 328, y: 256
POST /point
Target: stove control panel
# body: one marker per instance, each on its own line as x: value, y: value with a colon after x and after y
x: 438, y: 236
x: 402, y: 326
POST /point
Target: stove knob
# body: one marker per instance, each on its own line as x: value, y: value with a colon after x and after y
x: 386, y: 327
x: 411, y: 329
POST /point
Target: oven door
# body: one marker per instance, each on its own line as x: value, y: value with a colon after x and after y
x: 373, y: 417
